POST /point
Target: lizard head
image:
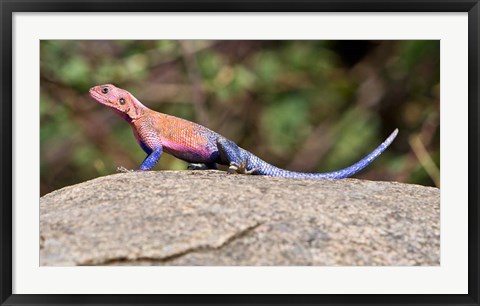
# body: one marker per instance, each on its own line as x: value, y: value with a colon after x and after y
x: 120, y: 100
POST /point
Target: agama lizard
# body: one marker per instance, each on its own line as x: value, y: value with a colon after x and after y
x: 156, y: 132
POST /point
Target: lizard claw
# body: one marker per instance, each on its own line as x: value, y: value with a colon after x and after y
x: 234, y: 167
x: 122, y: 169
x: 251, y: 171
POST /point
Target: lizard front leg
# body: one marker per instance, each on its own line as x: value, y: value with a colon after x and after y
x: 148, y: 162
x: 151, y: 159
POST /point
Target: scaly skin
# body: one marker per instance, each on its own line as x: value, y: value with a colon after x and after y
x: 156, y: 132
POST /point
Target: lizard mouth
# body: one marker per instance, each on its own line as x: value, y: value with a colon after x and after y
x: 98, y: 97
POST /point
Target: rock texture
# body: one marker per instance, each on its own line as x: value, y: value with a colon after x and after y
x: 214, y: 218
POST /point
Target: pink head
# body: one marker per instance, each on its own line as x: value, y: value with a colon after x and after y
x: 121, y: 101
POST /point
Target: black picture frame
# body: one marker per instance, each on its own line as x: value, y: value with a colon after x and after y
x: 8, y: 7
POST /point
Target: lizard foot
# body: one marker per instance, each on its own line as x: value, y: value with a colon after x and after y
x: 241, y: 168
x: 122, y: 169
x: 201, y: 166
x: 193, y: 166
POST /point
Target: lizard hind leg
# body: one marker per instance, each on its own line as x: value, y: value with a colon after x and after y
x: 236, y: 158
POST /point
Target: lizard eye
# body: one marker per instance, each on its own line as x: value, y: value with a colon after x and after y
x: 122, y: 101
x: 105, y: 90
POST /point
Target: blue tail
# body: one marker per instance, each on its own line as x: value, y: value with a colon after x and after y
x: 265, y: 168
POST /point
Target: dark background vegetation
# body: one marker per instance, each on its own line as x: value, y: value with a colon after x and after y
x: 311, y: 106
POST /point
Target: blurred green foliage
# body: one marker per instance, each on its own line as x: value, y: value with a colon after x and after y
x: 302, y: 105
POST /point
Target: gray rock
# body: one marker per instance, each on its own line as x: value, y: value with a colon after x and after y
x: 214, y: 218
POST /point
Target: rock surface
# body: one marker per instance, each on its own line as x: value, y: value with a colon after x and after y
x: 214, y: 218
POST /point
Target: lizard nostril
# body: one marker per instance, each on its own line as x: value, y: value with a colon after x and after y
x: 105, y: 90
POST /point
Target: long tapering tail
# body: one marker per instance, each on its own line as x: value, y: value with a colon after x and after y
x: 267, y: 169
